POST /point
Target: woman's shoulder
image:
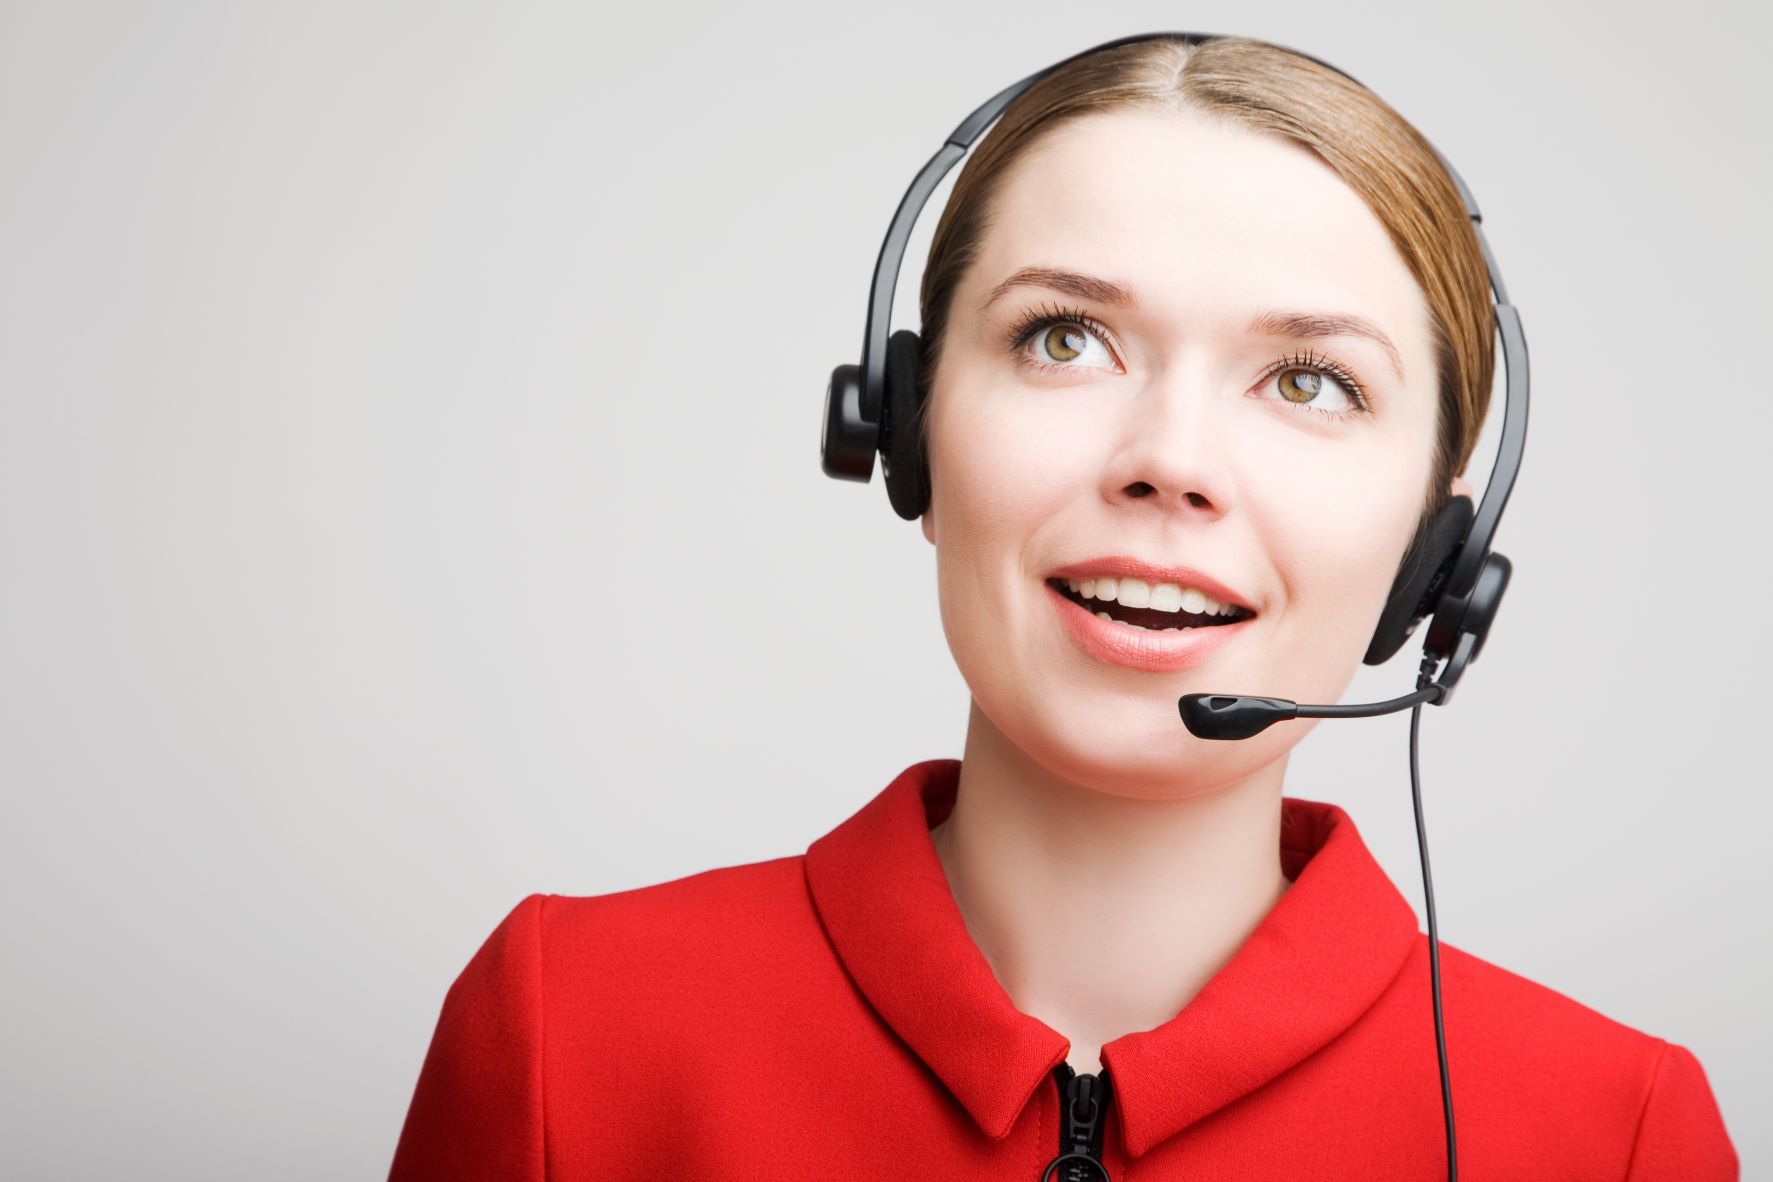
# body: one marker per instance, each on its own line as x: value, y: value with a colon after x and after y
x: 702, y: 929
x: 1514, y: 1001
x: 722, y: 895
x: 1501, y: 1008
x: 645, y: 979
x: 1568, y: 1064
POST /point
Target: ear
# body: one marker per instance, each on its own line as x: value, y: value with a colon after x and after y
x: 928, y: 521
x: 1462, y: 488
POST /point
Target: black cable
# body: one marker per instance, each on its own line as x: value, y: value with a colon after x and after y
x: 1434, y: 947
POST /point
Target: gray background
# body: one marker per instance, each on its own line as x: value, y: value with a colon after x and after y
x: 408, y: 501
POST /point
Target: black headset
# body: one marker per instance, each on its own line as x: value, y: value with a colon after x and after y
x: 1449, y: 573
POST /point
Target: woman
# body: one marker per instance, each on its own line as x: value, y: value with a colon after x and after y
x: 1096, y: 933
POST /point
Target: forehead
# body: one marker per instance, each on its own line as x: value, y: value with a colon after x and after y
x: 1207, y: 220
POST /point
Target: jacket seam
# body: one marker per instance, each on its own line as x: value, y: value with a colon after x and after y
x: 542, y: 1042
x: 1643, y: 1113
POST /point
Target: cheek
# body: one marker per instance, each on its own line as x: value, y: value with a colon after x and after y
x: 998, y: 470
x: 1002, y: 478
x: 1336, y: 553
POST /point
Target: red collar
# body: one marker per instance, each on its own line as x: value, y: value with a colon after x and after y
x: 1315, y: 963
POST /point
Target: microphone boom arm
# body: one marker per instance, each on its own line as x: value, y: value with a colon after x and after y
x: 1238, y: 716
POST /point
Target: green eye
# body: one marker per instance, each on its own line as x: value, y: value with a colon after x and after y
x: 1300, y: 380
x: 1063, y: 342
x: 1061, y: 338
x: 1301, y: 385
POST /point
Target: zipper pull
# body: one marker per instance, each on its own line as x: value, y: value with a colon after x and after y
x: 1083, y: 1103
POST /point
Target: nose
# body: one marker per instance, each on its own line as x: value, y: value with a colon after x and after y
x: 1169, y: 453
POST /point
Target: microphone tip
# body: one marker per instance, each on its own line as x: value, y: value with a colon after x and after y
x: 1232, y: 716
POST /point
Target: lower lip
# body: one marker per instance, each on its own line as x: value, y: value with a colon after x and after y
x: 1141, y: 648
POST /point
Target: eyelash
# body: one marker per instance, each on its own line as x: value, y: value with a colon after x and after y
x: 1049, y: 316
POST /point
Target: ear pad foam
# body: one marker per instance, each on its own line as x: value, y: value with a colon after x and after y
x: 1427, y: 564
x: 901, y: 451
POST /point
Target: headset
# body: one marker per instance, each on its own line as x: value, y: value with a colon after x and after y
x: 1450, y: 574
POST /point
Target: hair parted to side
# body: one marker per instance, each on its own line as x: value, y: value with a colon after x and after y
x: 1375, y: 151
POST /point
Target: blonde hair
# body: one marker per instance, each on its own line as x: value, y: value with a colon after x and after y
x: 1375, y: 151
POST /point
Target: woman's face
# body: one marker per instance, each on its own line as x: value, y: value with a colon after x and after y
x: 1163, y: 427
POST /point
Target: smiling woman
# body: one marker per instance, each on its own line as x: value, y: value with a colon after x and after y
x: 1206, y: 346
x: 1165, y: 413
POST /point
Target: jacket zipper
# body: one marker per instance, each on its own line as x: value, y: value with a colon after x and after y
x: 1083, y: 1103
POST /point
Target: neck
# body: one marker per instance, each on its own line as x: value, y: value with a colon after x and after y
x: 1103, y: 914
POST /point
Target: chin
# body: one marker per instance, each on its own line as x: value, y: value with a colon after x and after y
x: 1143, y: 752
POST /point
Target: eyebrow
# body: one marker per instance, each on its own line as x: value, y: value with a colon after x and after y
x: 1278, y: 322
x: 1084, y: 287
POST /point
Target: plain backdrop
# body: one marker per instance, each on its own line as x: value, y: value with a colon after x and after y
x: 409, y: 501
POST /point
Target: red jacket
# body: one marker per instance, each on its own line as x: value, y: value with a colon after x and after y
x: 826, y: 1016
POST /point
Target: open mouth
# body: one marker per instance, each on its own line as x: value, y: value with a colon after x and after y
x: 1155, y: 618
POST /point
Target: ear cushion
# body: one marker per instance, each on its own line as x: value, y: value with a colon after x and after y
x: 1419, y: 579
x: 902, y: 457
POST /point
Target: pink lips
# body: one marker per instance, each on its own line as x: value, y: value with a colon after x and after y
x: 1139, y: 648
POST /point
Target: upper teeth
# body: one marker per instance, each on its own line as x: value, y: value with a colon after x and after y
x: 1164, y: 597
